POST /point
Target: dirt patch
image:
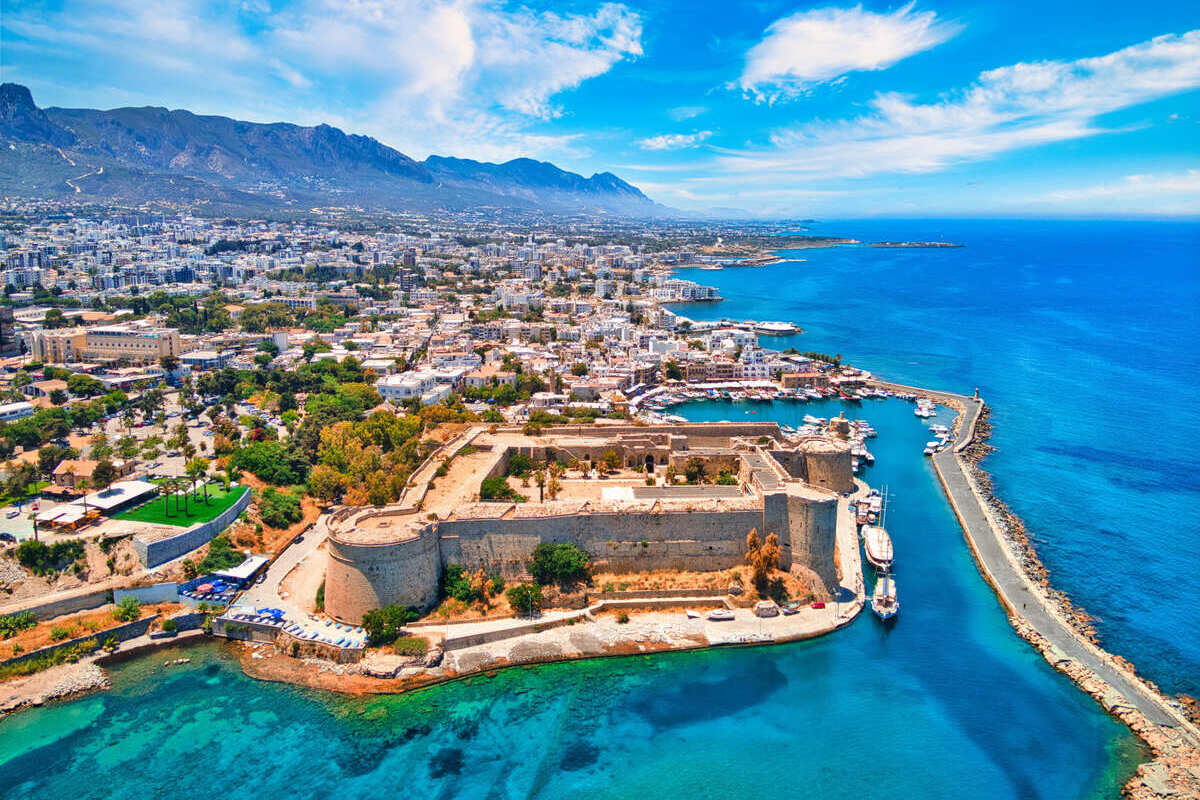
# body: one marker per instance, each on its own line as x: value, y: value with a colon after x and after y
x: 76, y: 625
x: 270, y: 540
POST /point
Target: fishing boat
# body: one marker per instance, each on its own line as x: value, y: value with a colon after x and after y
x: 878, y: 546
x: 884, y: 601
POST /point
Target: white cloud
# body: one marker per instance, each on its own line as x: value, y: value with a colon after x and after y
x: 1137, y: 187
x: 674, y: 141
x: 681, y: 113
x: 1009, y: 108
x: 824, y: 44
x: 469, y: 77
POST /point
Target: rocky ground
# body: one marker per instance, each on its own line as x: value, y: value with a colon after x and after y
x: 56, y: 683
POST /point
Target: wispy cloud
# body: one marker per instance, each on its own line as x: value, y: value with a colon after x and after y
x: 470, y: 76
x: 681, y: 113
x: 825, y: 44
x: 674, y: 141
x: 1009, y: 108
x: 1138, y: 187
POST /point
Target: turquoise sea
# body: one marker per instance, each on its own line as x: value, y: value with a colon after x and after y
x: 1084, y: 337
x: 947, y: 703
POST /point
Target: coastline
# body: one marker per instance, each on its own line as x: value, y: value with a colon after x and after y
x: 1173, y: 739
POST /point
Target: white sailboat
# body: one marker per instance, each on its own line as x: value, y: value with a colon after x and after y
x: 884, y: 601
x: 878, y: 546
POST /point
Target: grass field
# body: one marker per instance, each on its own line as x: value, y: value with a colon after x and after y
x: 160, y: 512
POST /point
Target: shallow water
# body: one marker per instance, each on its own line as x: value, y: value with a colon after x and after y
x: 1084, y: 338
x: 947, y: 703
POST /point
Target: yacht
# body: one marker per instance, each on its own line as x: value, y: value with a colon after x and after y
x: 878, y: 546
x: 809, y: 419
x: 884, y: 601
x: 776, y: 328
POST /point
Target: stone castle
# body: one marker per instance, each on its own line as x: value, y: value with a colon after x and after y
x: 784, y: 485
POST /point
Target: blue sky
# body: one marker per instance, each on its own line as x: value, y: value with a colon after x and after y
x: 928, y: 108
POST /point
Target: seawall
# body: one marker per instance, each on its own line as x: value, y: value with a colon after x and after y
x: 1036, y: 616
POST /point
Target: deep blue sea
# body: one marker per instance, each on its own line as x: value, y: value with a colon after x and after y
x: 1084, y: 337
x: 948, y: 703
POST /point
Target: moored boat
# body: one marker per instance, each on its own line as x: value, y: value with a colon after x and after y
x: 878, y: 546
x: 884, y: 600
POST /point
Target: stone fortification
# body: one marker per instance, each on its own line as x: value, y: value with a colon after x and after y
x: 396, y: 554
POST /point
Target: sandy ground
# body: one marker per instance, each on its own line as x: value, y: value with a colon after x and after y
x: 271, y: 540
x: 301, y: 584
x: 460, y: 484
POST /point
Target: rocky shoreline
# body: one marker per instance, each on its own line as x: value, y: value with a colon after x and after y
x: 57, y: 683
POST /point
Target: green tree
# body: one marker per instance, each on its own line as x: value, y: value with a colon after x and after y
x: 384, y: 625
x: 525, y: 598
x: 561, y: 564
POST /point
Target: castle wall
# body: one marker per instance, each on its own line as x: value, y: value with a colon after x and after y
x: 361, y: 577
x: 813, y: 528
x: 830, y: 469
x: 697, y: 540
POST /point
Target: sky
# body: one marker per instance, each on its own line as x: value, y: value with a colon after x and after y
x: 930, y: 108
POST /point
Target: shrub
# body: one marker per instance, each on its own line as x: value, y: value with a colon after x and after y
x: 58, y: 633
x: 520, y: 464
x: 12, y: 624
x: 383, y: 625
x: 221, y: 555
x: 411, y: 646
x: 279, y: 509
x: 497, y: 488
x: 42, y: 559
x: 169, y: 625
x: 525, y: 598
x: 558, y: 563
x: 127, y: 610
x: 622, y: 618
x: 319, y: 604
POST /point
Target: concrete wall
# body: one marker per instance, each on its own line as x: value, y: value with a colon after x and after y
x: 158, y: 593
x: 130, y: 630
x: 67, y: 605
x: 153, y: 553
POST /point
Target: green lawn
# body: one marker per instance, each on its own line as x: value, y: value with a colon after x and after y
x: 162, y: 512
x: 30, y: 491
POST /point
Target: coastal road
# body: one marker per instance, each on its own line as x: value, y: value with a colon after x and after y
x: 1017, y: 590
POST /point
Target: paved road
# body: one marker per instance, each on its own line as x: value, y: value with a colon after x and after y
x: 1016, y: 589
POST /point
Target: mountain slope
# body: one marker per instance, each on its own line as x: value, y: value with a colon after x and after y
x: 156, y: 154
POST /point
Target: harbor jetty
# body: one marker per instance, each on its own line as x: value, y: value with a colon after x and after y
x: 1038, y: 614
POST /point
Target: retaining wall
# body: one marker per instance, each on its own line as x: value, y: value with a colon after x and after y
x: 157, y: 593
x: 129, y: 630
x: 163, y: 550
x: 66, y: 605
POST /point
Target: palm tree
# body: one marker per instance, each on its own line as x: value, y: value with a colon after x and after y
x: 83, y: 484
x: 539, y: 477
x: 165, y: 486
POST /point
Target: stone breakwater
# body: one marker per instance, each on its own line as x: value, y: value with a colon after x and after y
x: 1015, y: 531
x: 1174, y: 770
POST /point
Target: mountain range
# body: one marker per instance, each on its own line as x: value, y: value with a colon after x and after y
x: 150, y: 154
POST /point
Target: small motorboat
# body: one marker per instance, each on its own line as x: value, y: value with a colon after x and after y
x: 720, y: 615
x: 692, y: 614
